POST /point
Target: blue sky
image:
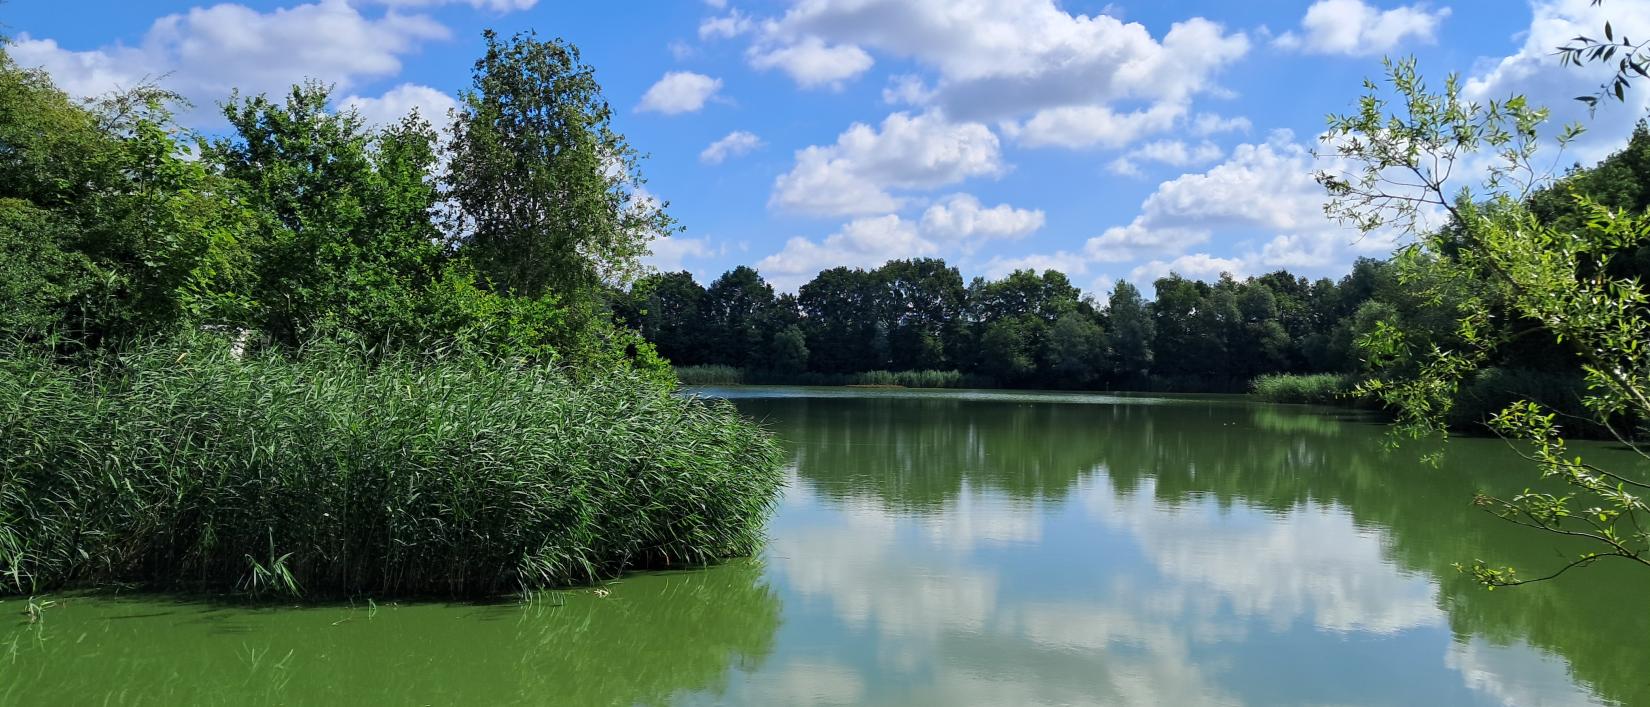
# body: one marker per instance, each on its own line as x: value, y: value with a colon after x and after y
x: 1112, y: 141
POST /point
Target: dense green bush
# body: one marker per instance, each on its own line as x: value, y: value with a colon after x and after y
x: 188, y: 465
x: 1319, y: 388
x: 1184, y: 383
x: 1487, y: 393
x: 1491, y: 390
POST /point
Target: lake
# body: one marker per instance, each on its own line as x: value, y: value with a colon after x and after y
x: 970, y: 547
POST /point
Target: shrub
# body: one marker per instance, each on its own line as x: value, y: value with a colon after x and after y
x: 186, y: 465
x: 1491, y: 390
x: 1186, y: 383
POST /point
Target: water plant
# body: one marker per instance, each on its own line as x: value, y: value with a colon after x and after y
x: 710, y: 375
x: 1319, y: 388
x: 717, y: 374
x: 185, y: 464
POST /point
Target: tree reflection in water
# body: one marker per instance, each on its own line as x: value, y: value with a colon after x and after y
x: 1202, y: 532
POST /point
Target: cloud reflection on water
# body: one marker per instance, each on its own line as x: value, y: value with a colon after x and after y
x: 948, y: 614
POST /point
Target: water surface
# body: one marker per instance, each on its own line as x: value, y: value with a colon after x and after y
x: 966, y: 548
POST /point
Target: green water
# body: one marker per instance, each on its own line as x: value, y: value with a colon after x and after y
x: 964, y: 548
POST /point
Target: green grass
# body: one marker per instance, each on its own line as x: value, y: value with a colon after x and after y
x: 185, y: 466
x: 1319, y: 388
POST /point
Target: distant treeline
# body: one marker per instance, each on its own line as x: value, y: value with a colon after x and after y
x: 1027, y: 329
x: 1032, y: 329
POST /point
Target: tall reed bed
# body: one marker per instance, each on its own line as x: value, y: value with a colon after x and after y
x: 918, y: 379
x: 710, y: 375
x: 1320, y: 388
x: 728, y: 375
x: 185, y: 465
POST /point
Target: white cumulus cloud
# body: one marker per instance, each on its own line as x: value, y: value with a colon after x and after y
x: 863, y: 243
x: 431, y: 104
x: 206, y: 52
x: 732, y: 24
x: 1355, y: 28
x: 1196, y: 266
x: 1174, y: 153
x: 493, y: 5
x: 854, y: 176
x: 1051, y: 77
x: 1206, y: 124
x: 956, y: 225
x: 1534, y: 72
x: 1265, y: 186
x: 733, y: 144
x: 961, y: 217
x: 1260, y: 202
x: 679, y: 92
x: 671, y: 254
x: 1095, y: 126
x: 1010, y: 57
x: 812, y: 63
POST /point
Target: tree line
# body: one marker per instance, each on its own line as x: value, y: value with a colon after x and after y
x: 1024, y: 329
x: 1036, y: 329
